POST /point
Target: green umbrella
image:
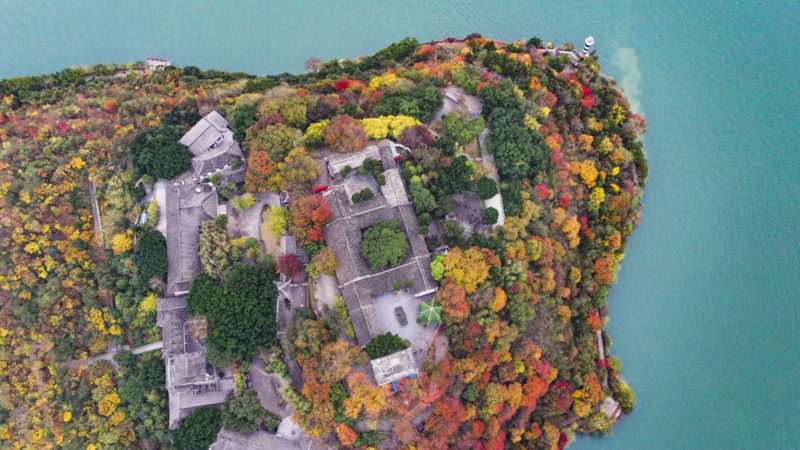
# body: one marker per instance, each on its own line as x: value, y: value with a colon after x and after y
x: 429, y: 313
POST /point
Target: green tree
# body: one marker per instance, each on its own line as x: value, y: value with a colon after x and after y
x: 243, y: 117
x: 277, y: 140
x: 151, y: 256
x: 462, y: 129
x: 487, y: 188
x: 243, y: 318
x: 215, y: 249
x: 422, y: 102
x: 491, y: 215
x: 243, y: 412
x: 157, y: 152
x: 384, y: 245
x: 424, y: 201
x: 198, y: 430
x: 185, y: 114
x: 437, y: 267
x: 385, y: 344
x: 203, y: 295
x: 626, y: 397
x: 452, y: 233
x: 457, y: 177
x: 516, y: 153
x: 145, y: 396
x: 244, y: 202
x: 152, y: 214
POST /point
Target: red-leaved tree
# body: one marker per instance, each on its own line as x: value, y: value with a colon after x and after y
x: 307, y: 219
x: 289, y: 265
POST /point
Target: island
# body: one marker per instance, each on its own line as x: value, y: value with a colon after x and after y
x: 409, y: 249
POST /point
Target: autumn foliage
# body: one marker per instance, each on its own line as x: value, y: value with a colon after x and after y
x: 522, y: 304
x: 344, y: 134
x: 307, y: 219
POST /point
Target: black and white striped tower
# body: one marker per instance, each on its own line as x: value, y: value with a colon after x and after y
x: 588, y: 44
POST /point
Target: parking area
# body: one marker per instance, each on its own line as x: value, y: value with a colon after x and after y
x: 417, y: 334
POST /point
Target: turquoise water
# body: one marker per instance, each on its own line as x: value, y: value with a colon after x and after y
x: 706, y: 315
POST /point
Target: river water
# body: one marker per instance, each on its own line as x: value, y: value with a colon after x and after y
x: 705, y: 317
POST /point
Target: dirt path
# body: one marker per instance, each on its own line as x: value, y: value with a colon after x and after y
x: 98, y: 223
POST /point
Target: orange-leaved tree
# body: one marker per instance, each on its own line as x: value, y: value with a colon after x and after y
x: 307, y: 219
x: 344, y: 134
x: 262, y: 173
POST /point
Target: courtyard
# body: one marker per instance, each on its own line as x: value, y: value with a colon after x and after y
x: 417, y: 334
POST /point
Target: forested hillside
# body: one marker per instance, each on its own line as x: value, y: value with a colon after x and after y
x: 524, y: 304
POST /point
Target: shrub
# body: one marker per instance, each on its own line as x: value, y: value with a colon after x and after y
x: 215, y: 179
x: 385, y: 344
x: 367, y: 194
x: 384, y: 245
x: 152, y: 214
x: 626, y: 397
x: 487, y: 188
x: 423, y: 230
x: 244, y: 202
x: 363, y: 195
x: 491, y: 215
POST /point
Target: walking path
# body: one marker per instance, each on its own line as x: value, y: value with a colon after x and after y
x: 495, y: 202
x: 98, y: 224
x: 113, y: 349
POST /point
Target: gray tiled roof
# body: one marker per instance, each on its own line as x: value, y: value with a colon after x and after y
x: 186, y: 210
x: 171, y: 316
x: 259, y: 440
x: 393, y: 367
x: 358, y: 282
x: 216, y: 159
x: 205, y: 133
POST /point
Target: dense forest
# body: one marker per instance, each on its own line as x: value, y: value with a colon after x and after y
x: 523, y: 305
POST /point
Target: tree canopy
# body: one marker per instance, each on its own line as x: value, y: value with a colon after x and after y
x: 157, y: 152
x: 277, y: 140
x: 344, y: 134
x: 383, y: 245
x: 240, y: 311
x: 243, y: 411
x: 151, y: 256
x: 198, y: 429
x: 422, y: 102
x: 385, y: 344
x: 463, y: 129
x: 307, y: 219
x: 516, y: 152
